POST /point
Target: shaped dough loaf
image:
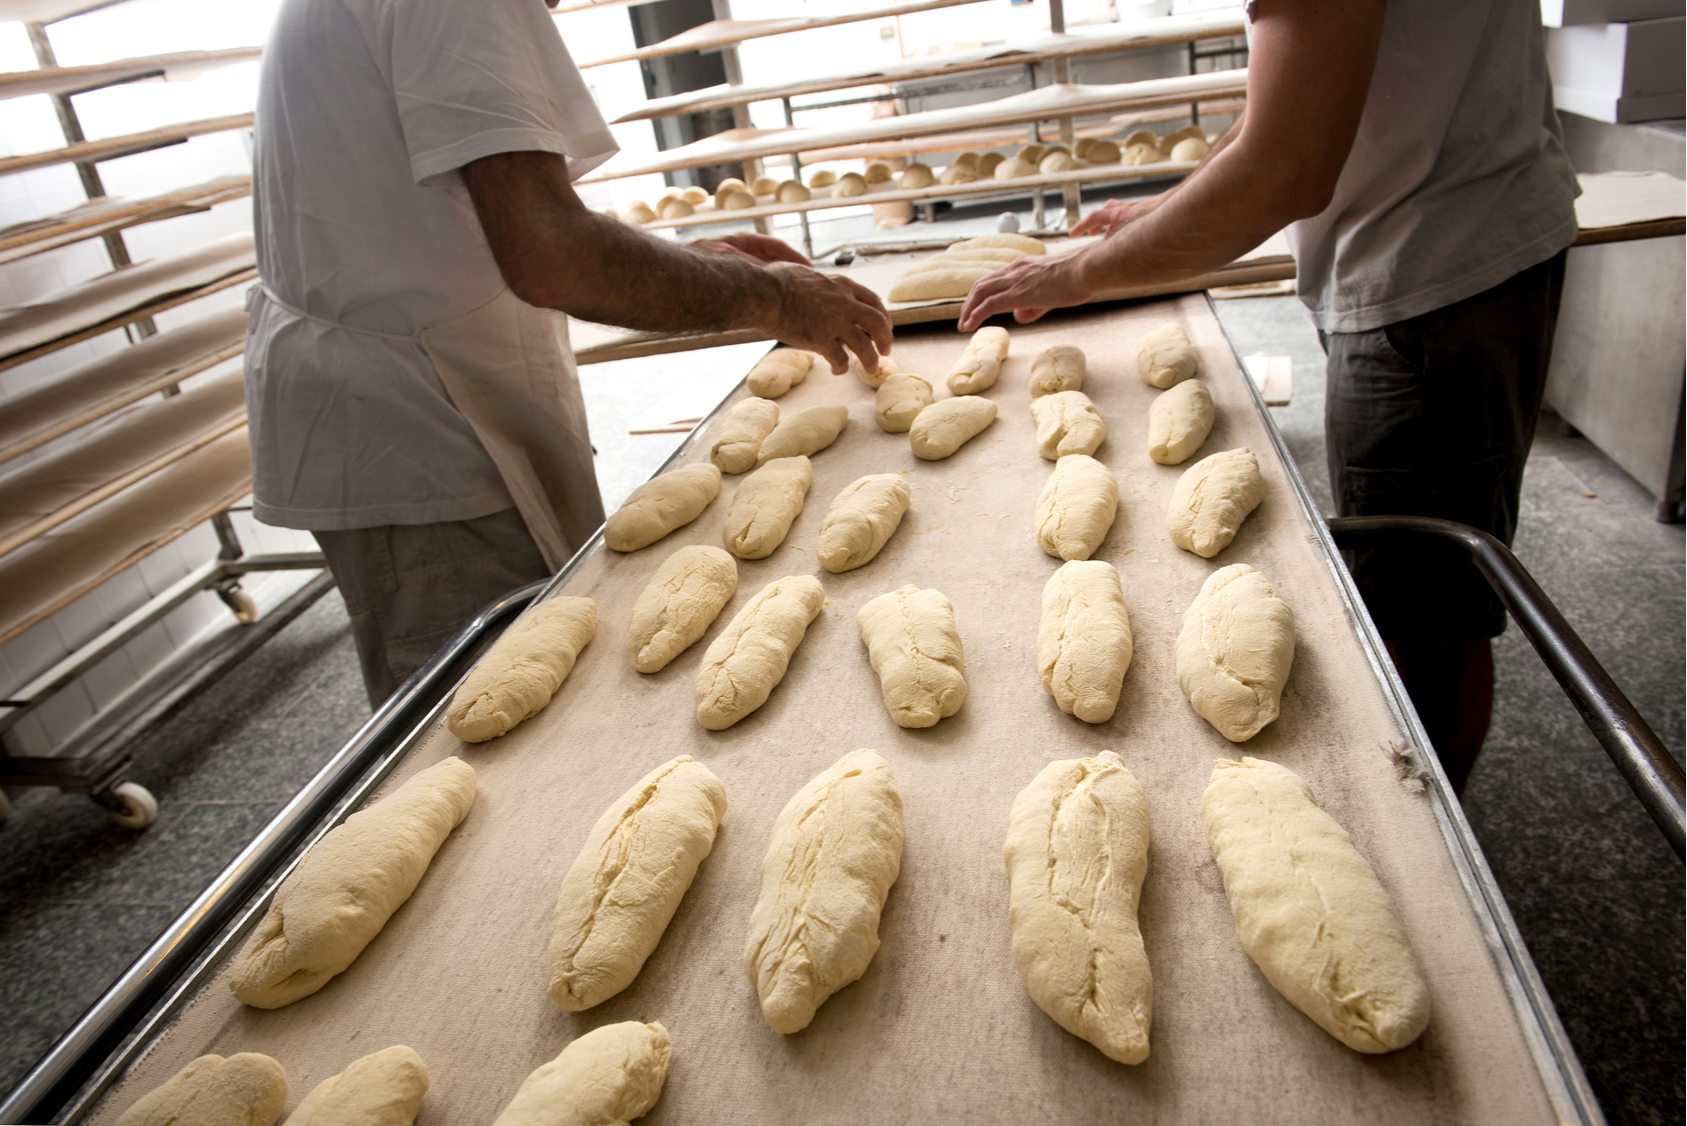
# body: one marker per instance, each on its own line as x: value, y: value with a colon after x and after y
x: 793, y: 191
x: 1013, y: 168
x: 677, y: 606
x: 915, y: 648
x: 383, y: 1089
x: 778, y: 372
x: 523, y: 669
x: 1179, y: 420
x: 1190, y: 148
x: 900, y: 397
x: 628, y: 880
x: 945, y: 427
x: 347, y: 887
x: 607, y: 1077
x: 1234, y: 651
x: 836, y: 851
x: 874, y: 379
x: 765, y: 505
x: 748, y: 660
x: 660, y: 505
x: 878, y: 172
x: 247, y: 1089
x: 1310, y: 911
x: 1077, y: 507
x: 861, y: 521
x: 1212, y: 499
x: 1059, y: 161
x: 1077, y: 850
x: 958, y: 174
x: 987, y: 163
x: 916, y: 175
x: 937, y: 285
x: 1102, y: 152
x: 1056, y: 369
x: 1067, y: 423
x: 1084, y: 639
x: 804, y: 433
x: 981, y: 362
x: 850, y: 184
x: 1165, y: 356
x: 738, y: 437
x: 1025, y: 244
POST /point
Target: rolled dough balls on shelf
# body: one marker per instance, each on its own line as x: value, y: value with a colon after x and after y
x: 878, y: 172
x: 1084, y: 639
x: 695, y: 195
x: 1235, y: 650
x: 1031, y: 154
x: 1013, y: 168
x: 765, y: 185
x: 980, y: 362
x: 677, y: 209
x: 967, y: 158
x: 1189, y: 149
x: 1057, y: 161
x: 737, y: 438
x: 835, y: 852
x: 778, y: 372
x: 246, y: 1089
x: 1310, y: 911
x: 916, y: 175
x: 946, y: 426
x: 382, y: 1089
x: 1171, y: 140
x: 1076, y: 507
x: 628, y: 880
x: 1141, y: 137
x: 1077, y: 851
x: 679, y: 604
x: 612, y: 1074
x: 900, y: 397
x: 915, y: 648
x: 765, y: 505
x: 748, y: 660
x: 1025, y: 244
x: 861, y: 521
x: 1059, y: 368
x: 987, y: 163
x: 1135, y: 155
x: 850, y: 184
x: 735, y: 200
x: 638, y: 212
x: 1179, y: 420
x: 1165, y: 356
x: 793, y: 191
x: 805, y: 433
x: 873, y: 379
x: 523, y: 669
x: 823, y: 179
x: 727, y: 186
x: 671, y: 500
x: 347, y: 886
x: 1067, y: 423
x: 1211, y: 500
x: 1082, y: 146
x: 1102, y: 152
x: 958, y: 174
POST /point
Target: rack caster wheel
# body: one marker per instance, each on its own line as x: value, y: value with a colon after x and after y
x: 5, y: 806
x: 131, y: 805
x: 243, y: 606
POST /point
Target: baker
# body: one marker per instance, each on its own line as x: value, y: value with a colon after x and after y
x: 411, y: 395
x: 1412, y: 150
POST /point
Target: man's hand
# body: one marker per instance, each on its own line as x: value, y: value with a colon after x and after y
x: 826, y: 313
x: 1030, y: 286
x: 755, y: 247
x: 1114, y: 214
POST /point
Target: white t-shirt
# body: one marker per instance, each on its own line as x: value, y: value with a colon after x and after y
x: 366, y: 109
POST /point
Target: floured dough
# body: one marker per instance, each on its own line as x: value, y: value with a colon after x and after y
x: 1143, y: 154
x: 1057, y: 369
x: 850, y: 184
x: 607, y: 1077
x: 980, y: 364
x: 748, y: 660
x: 1077, y: 850
x: 1165, y: 356
x: 1025, y: 244
x: 347, y: 886
x: 1084, y: 639
x: 1190, y: 148
x: 523, y: 669
x: 735, y: 200
x: 1059, y: 161
x: 677, y: 606
x: 987, y: 163
x: 968, y: 158
x: 247, y: 1089
x: 1171, y: 140
x: 916, y: 175
x: 382, y: 1089
x: 778, y: 372
x: 765, y: 185
x: 1013, y: 168
x: 945, y: 427
x: 737, y: 438
x: 660, y: 505
x: 823, y: 179
x: 958, y: 174
x: 804, y: 433
x: 793, y: 191
x: 861, y: 521
x: 1310, y: 911
x: 1212, y: 499
x: 628, y: 880
x: 836, y: 851
x: 1067, y: 423
x: 938, y: 284
x: 874, y: 379
x: 915, y: 648
x: 900, y: 397
x: 694, y: 195
x: 1032, y: 153
x: 1179, y: 420
x: 878, y: 172
x: 1102, y: 152
x: 1141, y: 137
x: 1076, y: 507
x: 638, y: 213
x: 1082, y: 146
x: 765, y: 505
x: 677, y: 209
x: 1235, y: 650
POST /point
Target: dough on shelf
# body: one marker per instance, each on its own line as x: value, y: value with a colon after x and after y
x: 873, y: 379
x: 823, y: 179
x: 861, y: 521
x: 878, y: 172
x: 765, y: 505
x: 946, y: 426
x: 987, y: 163
x: 677, y: 209
x: 778, y: 372
x: 1179, y: 420
x: 1190, y: 148
x: 1013, y: 168
x: 748, y: 660
x: 836, y: 851
x: 1025, y: 244
x: 765, y: 185
x: 661, y: 505
x: 969, y: 158
x: 1143, y: 154
x: 694, y: 195
x: 736, y: 200
x: 1235, y: 650
x: 850, y: 184
x: 679, y: 604
x: 947, y: 283
x: 1067, y: 423
x: 915, y: 647
x: 1102, y: 152
x: 523, y: 669
x: 382, y: 1089
x: 1031, y: 154
x: 980, y: 363
x: 958, y: 174
x: 804, y: 433
x: 1165, y: 356
x: 1141, y: 137
x: 1084, y: 639
x: 1058, y: 368
x: 900, y: 397
x: 246, y: 1089
x: 1076, y: 507
x: 737, y: 437
x: 1211, y: 500
x: 1310, y: 911
x: 609, y: 1076
x: 1057, y: 161
x: 638, y: 213
x: 916, y: 175
x: 793, y: 191
x: 730, y: 184
x: 1082, y: 146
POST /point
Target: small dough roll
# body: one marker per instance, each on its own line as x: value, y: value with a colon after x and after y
x: 991, y: 256
x: 735, y: 200
x: 1059, y: 161
x: 874, y: 379
x: 958, y: 174
x: 694, y: 195
x: 1143, y: 154
x: 765, y: 185
x: 737, y: 439
x: 1102, y: 152
x: 900, y: 397
x: 1077, y: 850
x: 523, y: 669
x: 836, y: 851
x: 1310, y: 911
x: 804, y: 433
x: 1013, y: 168
x: 748, y: 660
x: 1212, y: 499
x: 969, y: 158
x: 765, y: 506
x: 1235, y: 650
x: 1170, y: 140
x: 938, y: 284
x: 627, y: 882
x: 1077, y: 507
x: 945, y: 427
x: 850, y: 184
x: 980, y: 364
x: 1025, y: 244
x: 1082, y: 146
x: 1067, y: 423
x: 793, y: 191
x: 1141, y: 137
x: 609, y: 1076
x: 1031, y: 154
x: 878, y: 172
x: 731, y: 183
x: 383, y: 1089
x: 778, y: 372
x: 638, y: 213
x: 347, y: 886
x: 679, y: 604
x: 824, y: 179
x: 915, y: 648
x: 1179, y: 420
x: 861, y: 521
x: 987, y: 164
x: 677, y: 209
x: 916, y: 175
x: 1084, y: 639
x: 661, y: 505
x: 247, y: 1089
x: 1190, y: 148
x: 1060, y: 368
x: 1165, y: 356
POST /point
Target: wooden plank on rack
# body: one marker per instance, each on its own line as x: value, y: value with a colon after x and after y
x: 112, y: 147
x: 182, y: 66
x: 102, y: 216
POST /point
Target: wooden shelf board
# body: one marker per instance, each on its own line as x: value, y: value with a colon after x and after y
x: 111, y: 147
x: 179, y: 66
x: 98, y: 217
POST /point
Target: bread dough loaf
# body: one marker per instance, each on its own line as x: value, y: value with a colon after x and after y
x: 679, y: 604
x: 1076, y: 507
x: 874, y: 379
x: 1179, y: 420
x: 1165, y: 356
x: 1082, y: 146
x: 677, y: 209
x: 1102, y: 152
x: 804, y: 433
x: 1143, y: 154
x: 1171, y: 140
x: 1141, y: 137
x: 1235, y: 650
x: 765, y: 505
x: 1058, y: 161
x: 1077, y: 850
x: 1031, y: 154
x: 836, y: 851
x: 850, y: 184
x: 1067, y: 423
x: 247, y: 1089
x: 628, y: 879
x: 900, y: 397
x: 638, y: 213
x: 945, y: 427
x: 987, y: 163
x: 695, y: 195
x: 607, y: 1077
x: 347, y: 886
x: 916, y: 175
x: 1190, y: 148
x: 1084, y: 639
x: 968, y: 158
x: 382, y: 1089
x: 765, y: 185
x: 938, y: 284
x: 958, y: 174
x: 1212, y: 499
x: 737, y: 438
x: 660, y: 505
x: 778, y: 372
x: 878, y: 172
x: 748, y: 660
x: 736, y: 200
x: 523, y: 669
x: 1025, y: 244
x: 980, y: 364
x: 1013, y: 168
x: 793, y: 191
x: 915, y: 648
x: 1310, y: 911
x: 1057, y: 369
x: 957, y: 254
x: 823, y: 179
x: 861, y: 521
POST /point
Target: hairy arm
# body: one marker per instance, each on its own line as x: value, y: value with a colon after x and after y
x: 1116, y: 214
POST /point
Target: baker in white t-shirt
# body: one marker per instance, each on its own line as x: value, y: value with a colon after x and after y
x: 1412, y: 150
x: 412, y: 398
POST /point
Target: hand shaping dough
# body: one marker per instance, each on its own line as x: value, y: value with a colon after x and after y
x: 850, y: 184
x: 779, y: 371
x: 1067, y: 423
x: 861, y: 521
x: 662, y: 504
x: 738, y: 437
x: 1022, y: 243
x: 793, y: 191
x: 1077, y: 850
x: 1057, y: 369
x: 901, y: 396
x: 1165, y: 356
x: 1234, y: 651
x: 804, y: 433
x: 981, y: 362
x: 1179, y: 420
x: 627, y: 882
x: 1077, y: 507
x: 916, y: 175
x: 681, y: 601
x: 938, y: 284
x: 836, y: 850
x: 608, y: 1077
x: 945, y: 427
x: 348, y: 886
x: 247, y: 1089
x: 874, y: 379
x: 523, y: 669
x: 1310, y: 911
x: 383, y: 1089
x: 765, y: 505
x: 916, y: 650
x: 748, y: 660
x: 1084, y: 639
x: 1212, y: 499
